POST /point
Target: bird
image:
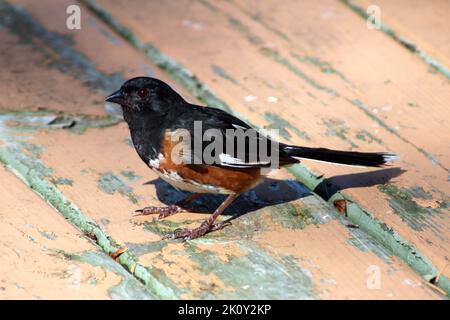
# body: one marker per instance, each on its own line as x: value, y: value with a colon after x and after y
x: 173, y: 138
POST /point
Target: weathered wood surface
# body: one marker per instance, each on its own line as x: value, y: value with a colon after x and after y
x: 44, y: 257
x: 419, y: 26
x: 327, y: 87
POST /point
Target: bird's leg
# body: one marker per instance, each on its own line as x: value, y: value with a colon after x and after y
x: 164, y: 212
x: 207, y: 226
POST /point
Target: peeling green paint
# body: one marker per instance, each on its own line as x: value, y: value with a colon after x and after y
x: 365, y: 244
x: 223, y: 74
x: 30, y: 121
x: 275, y: 55
x: 324, y: 66
x: 48, y: 235
x: 339, y: 129
x: 110, y: 184
x: 209, y: 5
x: 277, y: 277
x: 79, y: 124
x: 129, y: 288
x: 139, y: 249
x: 276, y: 122
x: 130, y: 175
x: 257, y: 18
x: 366, y: 136
x: 402, y: 202
x: 297, y: 215
x: 104, y: 221
x: 163, y: 227
x: 429, y: 60
x: 253, y: 39
x: 62, y: 181
x: 128, y: 142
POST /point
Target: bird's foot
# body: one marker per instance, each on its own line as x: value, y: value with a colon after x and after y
x: 162, y: 212
x: 204, y: 228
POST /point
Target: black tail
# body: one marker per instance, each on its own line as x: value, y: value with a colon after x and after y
x: 368, y: 159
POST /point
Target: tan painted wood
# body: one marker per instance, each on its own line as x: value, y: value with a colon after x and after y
x: 422, y: 23
x: 33, y: 239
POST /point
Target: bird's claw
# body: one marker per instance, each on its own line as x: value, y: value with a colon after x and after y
x: 189, y: 234
x: 162, y: 212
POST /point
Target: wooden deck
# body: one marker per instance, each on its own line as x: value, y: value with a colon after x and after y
x: 311, y: 69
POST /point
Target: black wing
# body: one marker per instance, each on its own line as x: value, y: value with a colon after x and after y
x: 241, y: 145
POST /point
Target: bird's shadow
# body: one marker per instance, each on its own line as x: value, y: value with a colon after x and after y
x: 330, y: 186
x: 272, y: 192
x: 269, y: 192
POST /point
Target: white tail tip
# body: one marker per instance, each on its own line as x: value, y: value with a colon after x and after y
x: 390, y: 157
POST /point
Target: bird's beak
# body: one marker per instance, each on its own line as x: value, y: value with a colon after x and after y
x: 115, y: 97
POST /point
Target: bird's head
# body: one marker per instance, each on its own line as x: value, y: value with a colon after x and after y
x: 143, y: 94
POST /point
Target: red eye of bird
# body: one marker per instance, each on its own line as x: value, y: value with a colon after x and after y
x: 143, y: 92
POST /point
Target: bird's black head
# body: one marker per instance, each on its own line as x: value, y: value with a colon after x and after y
x: 145, y: 94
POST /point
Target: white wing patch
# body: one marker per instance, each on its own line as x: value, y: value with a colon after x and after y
x: 230, y: 161
x: 236, y: 126
x: 154, y: 163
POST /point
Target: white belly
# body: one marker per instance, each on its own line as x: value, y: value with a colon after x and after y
x: 178, y: 182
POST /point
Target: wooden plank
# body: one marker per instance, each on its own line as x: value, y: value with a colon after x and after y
x: 67, y: 58
x: 337, y: 84
x: 420, y: 25
x: 44, y: 257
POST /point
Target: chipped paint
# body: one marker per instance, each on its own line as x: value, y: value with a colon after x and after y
x: 257, y: 18
x: 223, y: 74
x: 129, y: 288
x: 130, y: 175
x: 62, y: 181
x: 30, y: 121
x: 416, y: 216
x: 111, y: 183
x: 277, y: 57
x: 139, y: 249
x: 339, y: 129
x: 366, y: 136
x: 323, y: 66
x: 48, y: 235
x: 277, y: 277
